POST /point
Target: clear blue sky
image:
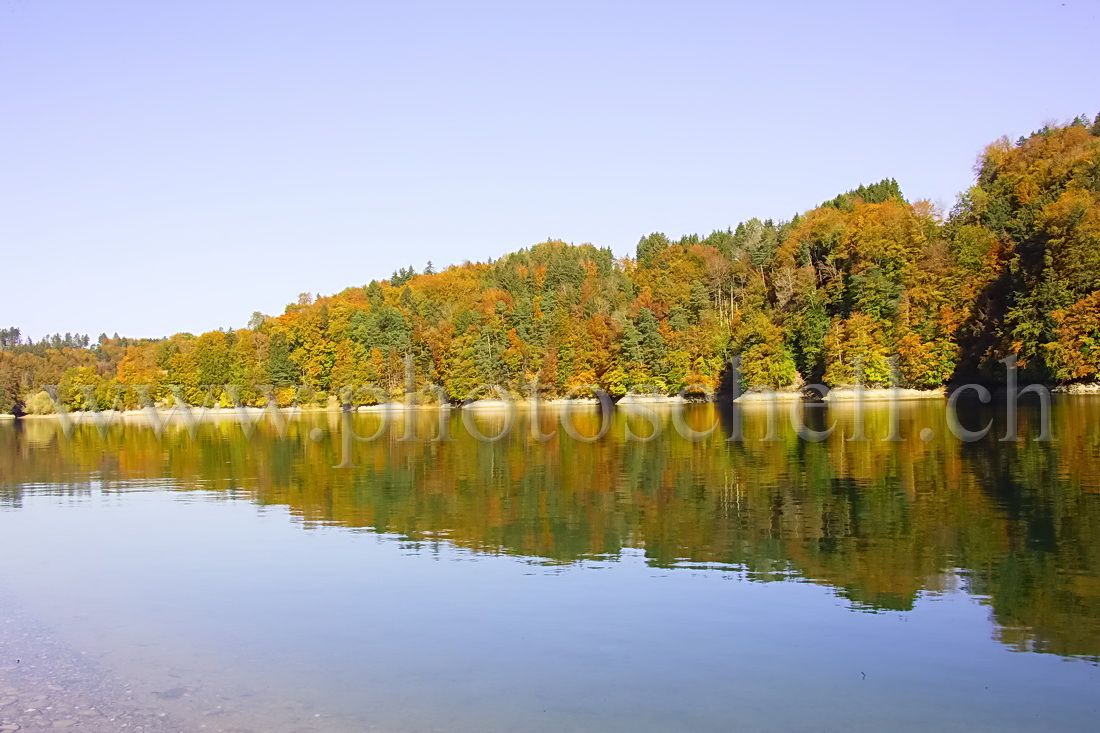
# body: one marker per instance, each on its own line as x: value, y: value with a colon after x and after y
x: 175, y: 166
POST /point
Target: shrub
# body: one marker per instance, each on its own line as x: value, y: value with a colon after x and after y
x: 39, y: 403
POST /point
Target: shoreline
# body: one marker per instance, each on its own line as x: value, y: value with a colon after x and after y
x: 845, y: 395
x: 883, y: 394
x: 1090, y: 388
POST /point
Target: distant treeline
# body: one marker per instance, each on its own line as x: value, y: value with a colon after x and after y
x: 11, y: 339
x: 1014, y: 268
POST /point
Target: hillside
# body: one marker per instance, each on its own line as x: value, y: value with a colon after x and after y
x: 1014, y: 269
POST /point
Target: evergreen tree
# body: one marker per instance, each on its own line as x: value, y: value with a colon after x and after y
x: 651, y: 246
x: 650, y: 340
x: 281, y: 370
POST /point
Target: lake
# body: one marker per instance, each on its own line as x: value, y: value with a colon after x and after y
x: 282, y: 577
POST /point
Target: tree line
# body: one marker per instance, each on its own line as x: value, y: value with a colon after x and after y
x: 862, y: 286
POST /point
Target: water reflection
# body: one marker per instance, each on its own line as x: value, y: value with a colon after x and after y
x: 1014, y: 523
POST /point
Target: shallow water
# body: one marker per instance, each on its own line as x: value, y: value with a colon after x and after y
x: 242, y: 582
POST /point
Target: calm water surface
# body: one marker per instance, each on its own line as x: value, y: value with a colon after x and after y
x: 572, y: 586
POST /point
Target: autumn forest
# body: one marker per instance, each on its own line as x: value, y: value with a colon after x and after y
x: 1013, y: 269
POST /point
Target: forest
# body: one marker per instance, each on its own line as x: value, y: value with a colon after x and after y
x: 861, y: 287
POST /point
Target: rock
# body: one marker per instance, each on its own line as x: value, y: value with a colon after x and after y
x: 174, y: 694
x: 66, y: 723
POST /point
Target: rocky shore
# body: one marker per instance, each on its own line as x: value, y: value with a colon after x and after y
x: 46, y: 686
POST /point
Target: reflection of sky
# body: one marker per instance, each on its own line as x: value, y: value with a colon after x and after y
x: 422, y: 635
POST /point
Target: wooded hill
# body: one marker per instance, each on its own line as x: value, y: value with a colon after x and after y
x: 1013, y: 269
